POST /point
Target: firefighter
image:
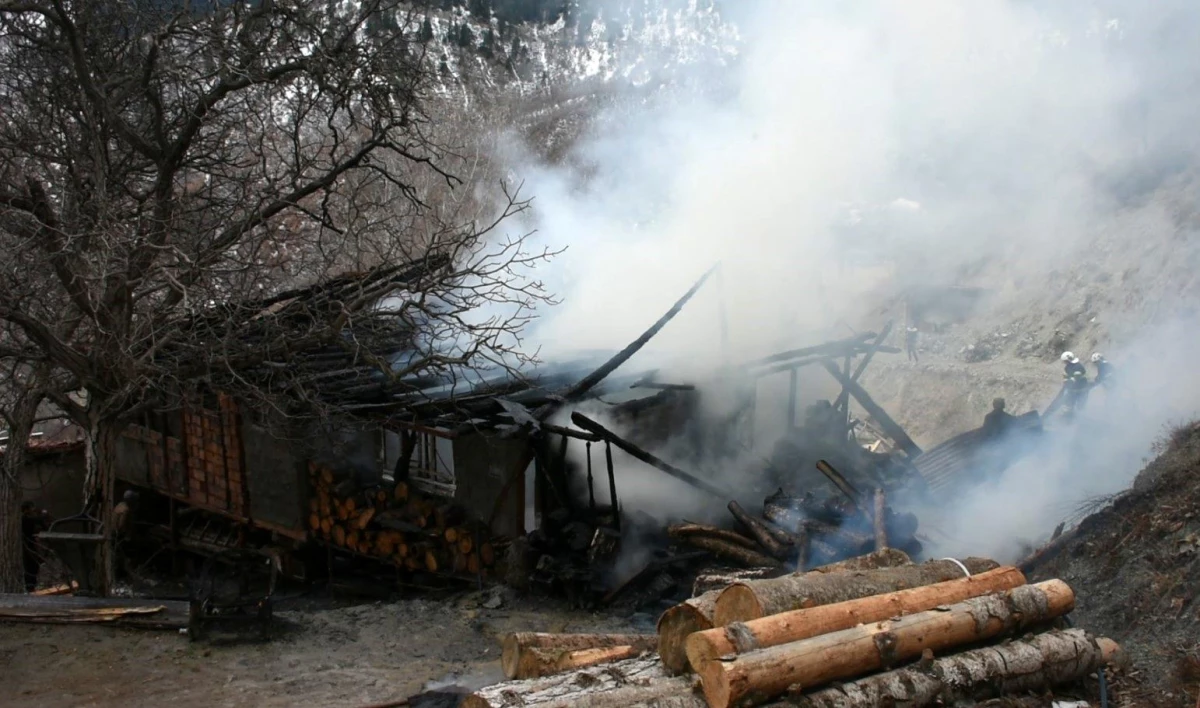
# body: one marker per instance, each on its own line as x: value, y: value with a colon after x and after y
x: 910, y: 343
x: 998, y: 421
x: 1104, y: 370
x: 1075, y: 382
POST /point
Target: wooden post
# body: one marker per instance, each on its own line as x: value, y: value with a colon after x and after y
x: 590, y: 480
x: 612, y: 485
x: 881, y: 539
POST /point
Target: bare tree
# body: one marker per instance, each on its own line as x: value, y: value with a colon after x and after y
x: 171, y: 172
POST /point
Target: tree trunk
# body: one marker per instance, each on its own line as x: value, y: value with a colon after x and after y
x: 533, y: 654
x: 696, y: 614
x: 102, y: 436
x: 634, y: 683
x: 1034, y: 664
x: 793, y: 626
x: 12, y: 558
x: 12, y: 552
x: 853, y: 652
x: 758, y: 598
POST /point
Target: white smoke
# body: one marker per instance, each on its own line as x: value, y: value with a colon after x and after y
x: 994, y: 138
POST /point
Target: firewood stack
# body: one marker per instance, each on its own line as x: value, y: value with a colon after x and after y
x: 869, y: 631
x: 397, y: 524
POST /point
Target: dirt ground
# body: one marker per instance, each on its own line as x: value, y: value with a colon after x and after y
x: 338, y: 657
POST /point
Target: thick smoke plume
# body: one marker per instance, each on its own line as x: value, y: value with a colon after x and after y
x: 856, y: 149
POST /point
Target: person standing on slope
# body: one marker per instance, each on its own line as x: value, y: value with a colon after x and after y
x: 1075, y: 381
x: 910, y: 343
x: 1104, y: 371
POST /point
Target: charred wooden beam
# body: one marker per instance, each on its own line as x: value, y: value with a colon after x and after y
x: 592, y: 426
x: 889, y: 425
x: 835, y: 348
x: 843, y: 485
x: 570, y: 432
x: 843, y: 398
x: 760, y: 532
x: 585, y: 384
x: 664, y: 386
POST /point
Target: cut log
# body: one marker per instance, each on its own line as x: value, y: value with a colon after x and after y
x: 853, y: 652
x: 728, y: 551
x: 752, y: 599
x: 683, y: 532
x: 339, y: 535
x: 696, y: 614
x: 633, y: 683
x: 723, y: 578
x: 881, y: 539
x: 465, y: 543
x: 533, y: 654
x: 760, y: 532
x: 487, y: 555
x: 773, y: 630
x: 400, y: 492
x: 473, y: 565
x: 314, y: 522
x: 364, y: 518
x: 678, y: 622
x: 1035, y: 664
x: 434, y: 561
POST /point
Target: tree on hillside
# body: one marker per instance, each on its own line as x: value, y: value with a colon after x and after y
x: 170, y: 171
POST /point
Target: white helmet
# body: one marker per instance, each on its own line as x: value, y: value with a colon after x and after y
x: 1097, y: 357
x: 1068, y: 356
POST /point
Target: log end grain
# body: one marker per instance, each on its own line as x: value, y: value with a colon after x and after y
x: 714, y: 681
x: 736, y: 603
x: 510, y: 655
x: 1110, y: 651
x: 674, y: 627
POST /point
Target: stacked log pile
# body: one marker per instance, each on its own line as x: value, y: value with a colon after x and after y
x: 875, y: 630
x: 396, y: 524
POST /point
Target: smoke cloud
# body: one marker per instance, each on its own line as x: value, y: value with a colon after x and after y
x: 856, y: 149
